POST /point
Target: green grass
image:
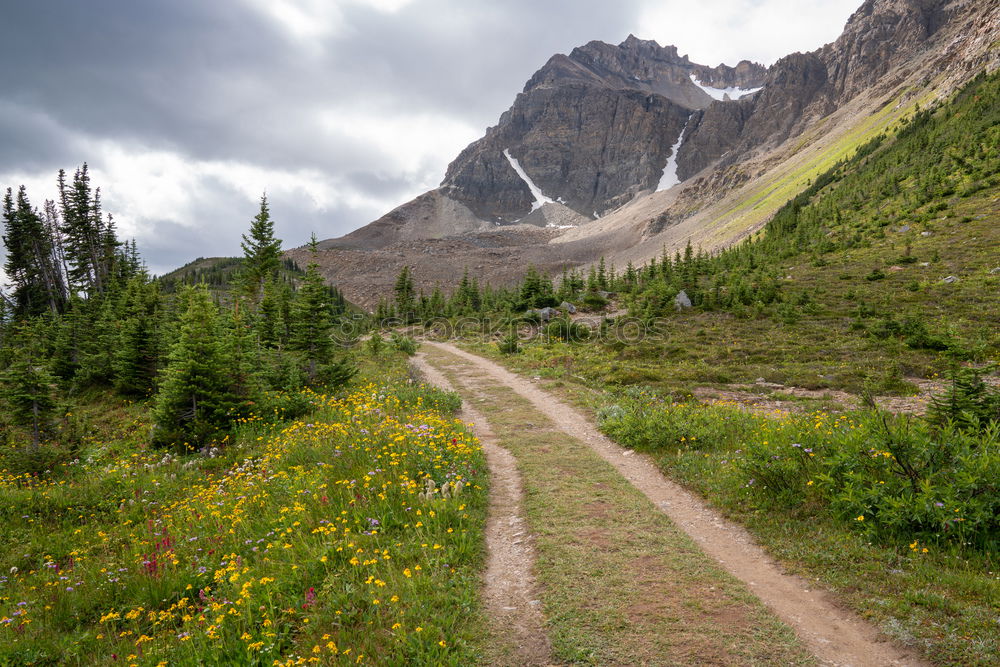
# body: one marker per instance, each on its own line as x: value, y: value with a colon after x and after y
x: 921, y: 583
x: 833, y: 343
x: 944, y: 600
x: 302, y: 538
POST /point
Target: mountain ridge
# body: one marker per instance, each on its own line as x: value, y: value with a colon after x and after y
x: 591, y: 133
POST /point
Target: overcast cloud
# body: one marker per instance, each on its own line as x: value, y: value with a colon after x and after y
x: 187, y: 110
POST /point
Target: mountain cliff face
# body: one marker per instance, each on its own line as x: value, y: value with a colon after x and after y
x: 601, y: 132
x: 591, y: 129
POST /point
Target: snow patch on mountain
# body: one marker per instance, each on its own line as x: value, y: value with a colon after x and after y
x: 670, y: 178
x: 536, y: 192
x: 723, y: 94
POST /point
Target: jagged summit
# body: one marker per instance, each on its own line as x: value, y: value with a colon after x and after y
x: 592, y: 129
x: 644, y: 65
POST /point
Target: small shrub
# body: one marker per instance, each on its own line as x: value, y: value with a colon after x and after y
x: 567, y: 330
x: 375, y: 344
x: 916, y: 336
x: 509, y: 345
x: 405, y: 344
x: 430, y: 397
x: 788, y: 313
x: 337, y: 374
x: 37, y: 462
x: 594, y: 301
x: 876, y: 274
x: 886, y: 328
x: 968, y: 404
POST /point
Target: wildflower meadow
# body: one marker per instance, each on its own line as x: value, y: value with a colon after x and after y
x: 350, y: 535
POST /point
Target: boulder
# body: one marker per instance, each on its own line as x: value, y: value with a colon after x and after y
x: 568, y: 307
x: 949, y: 280
x: 547, y: 313
x: 682, y: 300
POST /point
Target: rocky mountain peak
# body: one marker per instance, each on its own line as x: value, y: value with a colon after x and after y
x: 591, y: 129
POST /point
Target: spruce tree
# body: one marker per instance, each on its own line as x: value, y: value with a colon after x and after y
x: 261, y: 253
x: 311, y: 318
x: 29, y: 257
x: 268, y: 322
x: 242, y: 354
x: 134, y: 361
x: 405, y: 296
x: 71, y: 329
x: 28, y: 388
x: 436, y: 303
x: 97, y: 350
x: 536, y: 290
x: 83, y: 232
x: 195, y: 401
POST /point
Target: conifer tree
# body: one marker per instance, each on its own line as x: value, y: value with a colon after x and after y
x: 631, y: 277
x: 242, y: 354
x: 97, y: 350
x: 261, y: 253
x: 70, y: 329
x: 29, y: 262
x: 405, y: 296
x: 268, y: 322
x: 85, y: 237
x: 311, y: 317
x: 195, y: 401
x: 28, y: 389
x: 536, y: 290
x: 436, y: 304
x: 134, y: 361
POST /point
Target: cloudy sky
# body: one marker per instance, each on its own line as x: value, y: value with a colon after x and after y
x: 187, y: 110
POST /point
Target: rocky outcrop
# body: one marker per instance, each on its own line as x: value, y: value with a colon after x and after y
x: 876, y: 36
x: 712, y: 134
x: 881, y: 36
x: 794, y: 83
x: 745, y: 75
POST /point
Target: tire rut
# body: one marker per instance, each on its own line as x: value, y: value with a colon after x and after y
x: 510, y: 593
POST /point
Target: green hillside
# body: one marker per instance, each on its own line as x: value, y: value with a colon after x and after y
x: 882, y: 269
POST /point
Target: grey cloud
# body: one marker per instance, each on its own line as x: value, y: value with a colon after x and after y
x: 221, y: 82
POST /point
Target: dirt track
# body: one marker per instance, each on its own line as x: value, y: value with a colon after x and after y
x: 834, y: 635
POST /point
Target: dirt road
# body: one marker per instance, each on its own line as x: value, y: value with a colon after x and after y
x: 835, y: 636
